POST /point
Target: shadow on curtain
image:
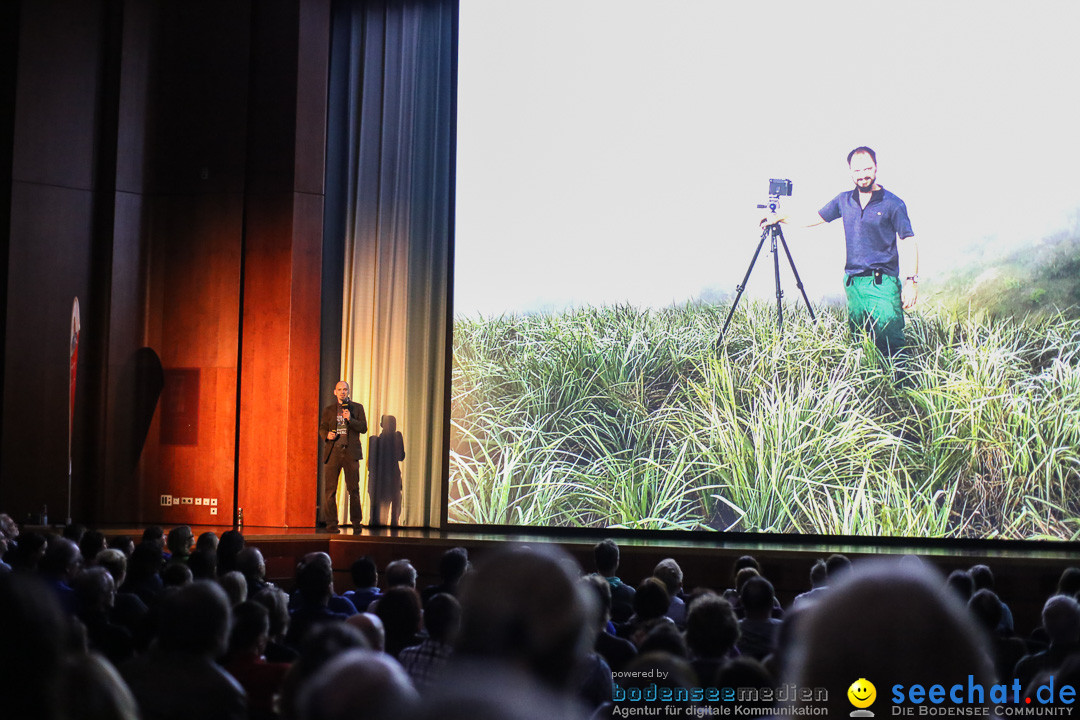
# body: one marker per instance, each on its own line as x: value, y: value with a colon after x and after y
x: 389, y: 170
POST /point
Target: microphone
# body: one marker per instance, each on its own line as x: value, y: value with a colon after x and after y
x: 345, y: 402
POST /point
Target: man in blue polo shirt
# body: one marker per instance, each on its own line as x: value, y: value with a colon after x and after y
x: 877, y: 231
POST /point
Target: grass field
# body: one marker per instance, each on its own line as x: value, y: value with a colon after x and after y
x: 618, y: 417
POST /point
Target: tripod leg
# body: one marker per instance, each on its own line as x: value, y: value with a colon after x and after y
x: 776, y: 279
x: 741, y: 287
x: 795, y: 272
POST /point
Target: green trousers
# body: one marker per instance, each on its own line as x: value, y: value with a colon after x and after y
x: 874, y: 306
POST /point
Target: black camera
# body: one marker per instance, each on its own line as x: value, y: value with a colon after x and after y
x: 778, y: 188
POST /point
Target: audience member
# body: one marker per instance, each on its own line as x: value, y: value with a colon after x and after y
x: 92, y: 688
x: 276, y: 603
x: 425, y: 662
x: 606, y: 556
x: 400, y: 573
x: 246, y: 659
x: 203, y: 564
x: 143, y: 578
x: 34, y: 632
x: 179, y: 543
x: 371, y: 626
x: 337, y: 603
x: 252, y: 565
x: 711, y: 633
x: 651, y: 601
x: 207, y: 542
x: 1061, y: 620
x: 95, y: 593
x: 960, y: 582
x: 358, y: 685
x: 320, y: 646
x: 314, y: 587
x: 758, y: 628
x: 453, y: 565
x: 58, y: 568
x: 365, y: 577
x: 91, y: 544
x: 669, y: 572
x: 1005, y: 652
x: 881, y: 605
x: 400, y: 611
x: 235, y: 587
x: 983, y: 577
x: 123, y: 543
x: 229, y: 546
x: 616, y: 651
x: 193, y: 626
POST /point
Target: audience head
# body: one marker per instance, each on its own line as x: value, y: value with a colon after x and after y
x: 176, y: 575
x: 179, y: 542
x: 960, y: 582
x: 1069, y: 582
x: 711, y: 626
x: 95, y: 590
x: 235, y: 587
x: 743, y: 562
x: 208, y: 541
x: 250, y: 629
x: 8, y: 527
x: 837, y: 564
x: 154, y: 535
x: 886, y: 605
x: 123, y: 543
x: 985, y: 607
x: 669, y: 572
x: 743, y: 575
x: 364, y: 573
x: 400, y: 573
x: 358, y: 684
x: 94, y: 689
x: 62, y: 560
x: 91, y: 544
x: 115, y: 561
x: 453, y: 565
x: 276, y: 603
x: 27, y: 555
x: 371, y: 627
x: 1061, y: 619
x: 203, y: 564
x: 74, y: 532
x: 523, y: 606
x: 601, y: 590
x: 399, y: 609
x: 442, y: 617
x: 315, y: 582
x: 982, y: 576
x: 606, y: 557
x: 664, y: 638
x: 251, y: 564
x: 34, y: 629
x: 146, y: 560
x: 194, y: 619
x: 757, y: 598
x: 819, y: 574
x: 229, y: 546
x: 651, y: 600
x: 319, y: 646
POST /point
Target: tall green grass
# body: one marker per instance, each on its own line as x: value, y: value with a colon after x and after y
x: 619, y: 417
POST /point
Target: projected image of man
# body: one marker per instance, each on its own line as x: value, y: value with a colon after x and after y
x: 877, y: 231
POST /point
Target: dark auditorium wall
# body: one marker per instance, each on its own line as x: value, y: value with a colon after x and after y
x: 167, y: 169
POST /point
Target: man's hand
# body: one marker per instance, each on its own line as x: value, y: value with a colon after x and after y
x: 909, y: 295
x: 331, y: 435
x: 345, y: 413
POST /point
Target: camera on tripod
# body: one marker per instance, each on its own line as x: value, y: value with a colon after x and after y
x: 777, y: 189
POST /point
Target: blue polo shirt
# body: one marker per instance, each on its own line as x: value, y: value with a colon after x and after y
x: 870, y: 232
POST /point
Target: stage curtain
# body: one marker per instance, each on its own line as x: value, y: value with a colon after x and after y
x: 390, y: 135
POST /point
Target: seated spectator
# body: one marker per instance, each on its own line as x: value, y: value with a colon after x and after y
x: 606, y: 556
x: 276, y: 603
x: 203, y: 564
x: 25, y: 557
x: 74, y: 532
x: 399, y: 609
x: 319, y: 647
x: 371, y: 627
x: 651, y: 601
x: 155, y: 535
x: 1061, y: 619
x: 960, y: 582
x: 616, y: 651
x: 337, y: 603
x: 207, y: 542
x: 746, y: 672
x: 711, y: 633
x: 176, y: 574
x: 358, y: 685
x: 95, y: 592
x: 34, y: 631
x: 365, y: 577
x: 91, y: 544
x: 425, y: 662
x: 983, y: 577
x: 229, y: 546
x: 885, y: 605
x: 400, y: 573
x: 123, y: 543
x: 128, y: 610
x: 664, y: 638
x: 178, y: 678
x: 758, y: 629
x: 143, y: 578
x: 246, y: 661
x: 179, y: 543
x: 669, y: 572
x: 58, y: 568
x: 314, y: 587
x: 1069, y: 582
x: 235, y: 587
x: 1005, y: 652
x: 453, y: 565
x: 92, y: 688
x: 252, y: 566
x: 819, y: 581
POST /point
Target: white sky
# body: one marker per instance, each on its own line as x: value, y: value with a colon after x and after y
x: 614, y: 150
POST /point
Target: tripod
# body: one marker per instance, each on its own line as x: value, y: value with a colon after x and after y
x: 773, y: 233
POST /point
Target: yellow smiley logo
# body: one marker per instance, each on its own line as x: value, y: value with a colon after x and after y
x: 862, y: 693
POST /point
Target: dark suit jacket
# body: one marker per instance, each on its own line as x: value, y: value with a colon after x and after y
x: 357, y: 427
